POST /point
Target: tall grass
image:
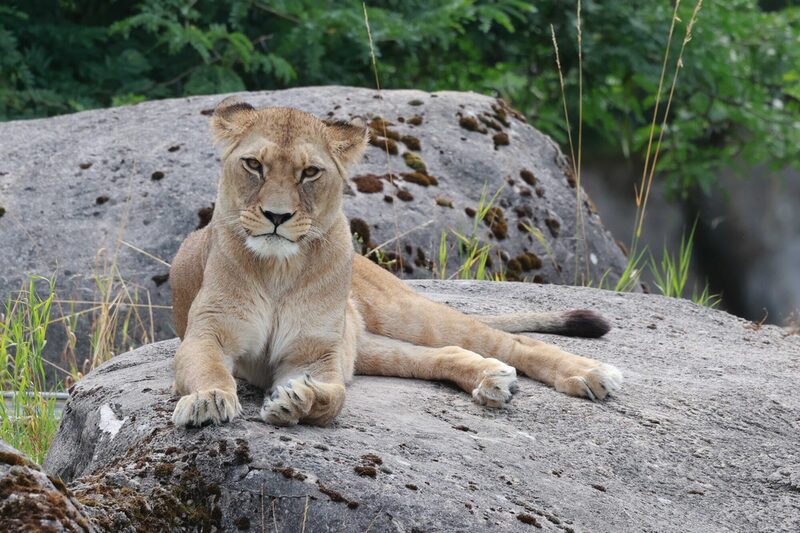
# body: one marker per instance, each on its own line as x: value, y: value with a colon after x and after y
x: 28, y: 419
x: 671, y: 273
x: 473, y: 253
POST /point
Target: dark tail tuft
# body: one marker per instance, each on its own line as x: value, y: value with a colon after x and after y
x: 585, y: 323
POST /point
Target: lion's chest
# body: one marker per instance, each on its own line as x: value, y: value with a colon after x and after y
x: 264, y: 339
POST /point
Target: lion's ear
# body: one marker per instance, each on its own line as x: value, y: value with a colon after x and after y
x: 231, y: 118
x: 348, y: 140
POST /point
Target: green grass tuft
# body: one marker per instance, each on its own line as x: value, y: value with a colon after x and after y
x: 28, y: 419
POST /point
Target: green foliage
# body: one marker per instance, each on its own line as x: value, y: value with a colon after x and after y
x: 740, y: 82
x: 473, y: 253
x: 28, y: 420
x: 671, y: 274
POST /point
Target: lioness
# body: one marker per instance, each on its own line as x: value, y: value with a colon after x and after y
x: 272, y: 292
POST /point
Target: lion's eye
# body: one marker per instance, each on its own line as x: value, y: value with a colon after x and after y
x: 253, y: 164
x: 310, y: 172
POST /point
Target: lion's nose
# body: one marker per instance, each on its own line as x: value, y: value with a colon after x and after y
x: 277, y: 218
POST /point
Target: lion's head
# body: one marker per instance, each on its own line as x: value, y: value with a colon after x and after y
x: 283, y: 174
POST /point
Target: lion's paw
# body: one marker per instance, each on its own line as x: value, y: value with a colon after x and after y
x: 204, y: 407
x: 596, y: 383
x: 289, y: 403
x: 497, y: 387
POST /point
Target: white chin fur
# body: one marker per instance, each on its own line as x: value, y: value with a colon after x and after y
x: 272, y: 246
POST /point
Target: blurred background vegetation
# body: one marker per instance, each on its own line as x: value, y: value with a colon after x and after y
x: 736, y: 108
x: 741, y: 82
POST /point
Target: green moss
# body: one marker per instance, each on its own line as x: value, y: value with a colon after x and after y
x: 501, y: 115
x: 528, y: 519
x: 387, y: 145
x: 421, y: 261
x: 529, y: 261
x: 500, y: 139
x: 368, y: 183
x: 393, y: 135
x: 366, y: 471
x: 444, y: 202
x: 419, y: 178
x: 488, y: 121
x: 554, y: 226
x: 290, y: 473
x: 163, y: 470
x: 416, y: 120
x: 415, y: 162
x: 415, y: 102
x: 380, y: 124
x: 361, y: 228
x: 497, y: 223
x: 380, y: 128
x: 527, y: 176
x: 405, y: 195
x: 471, y: 123
x: 570, y: 175
x: 502, y: 110
x: 411, y: 142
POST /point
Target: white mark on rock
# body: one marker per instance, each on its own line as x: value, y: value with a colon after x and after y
x: 593, y: 258
x: 527, y: 435
x: 109, y: 422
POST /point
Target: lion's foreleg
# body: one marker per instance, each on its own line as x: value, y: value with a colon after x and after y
x: 307, y: 390
x: 207, y: 387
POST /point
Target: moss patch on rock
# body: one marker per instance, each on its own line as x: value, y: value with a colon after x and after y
x: 419, y: 178
x: 496, y: 220
x: 415, y: 162
x: 368, y: 183
x: 411, y: 142
x: 500, y: 139
x: 470, y: 123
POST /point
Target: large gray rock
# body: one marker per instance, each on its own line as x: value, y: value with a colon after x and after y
x: 703, y: 438
x: 76, y: 184
x: 31, y: 500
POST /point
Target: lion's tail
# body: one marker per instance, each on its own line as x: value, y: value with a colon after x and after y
x: 575, y: 323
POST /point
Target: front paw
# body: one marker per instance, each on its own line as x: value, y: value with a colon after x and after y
x: 497, y: 386
x: 289, y: 403
x: 204, y: 407
x: 595, y: 383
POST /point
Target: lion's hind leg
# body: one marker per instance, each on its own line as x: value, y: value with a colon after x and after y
x: 491, y: 382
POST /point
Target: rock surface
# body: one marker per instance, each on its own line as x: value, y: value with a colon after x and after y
x: 703, y: 438
x: 76, y: 184
x: 30, y: 500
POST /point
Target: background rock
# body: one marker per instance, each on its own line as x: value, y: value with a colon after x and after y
x: 702, y: 438
x: 747, y: 242
x: 73, y: 185
x: 30, y: 500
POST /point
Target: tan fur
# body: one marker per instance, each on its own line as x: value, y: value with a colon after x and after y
x: 298, y: 313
